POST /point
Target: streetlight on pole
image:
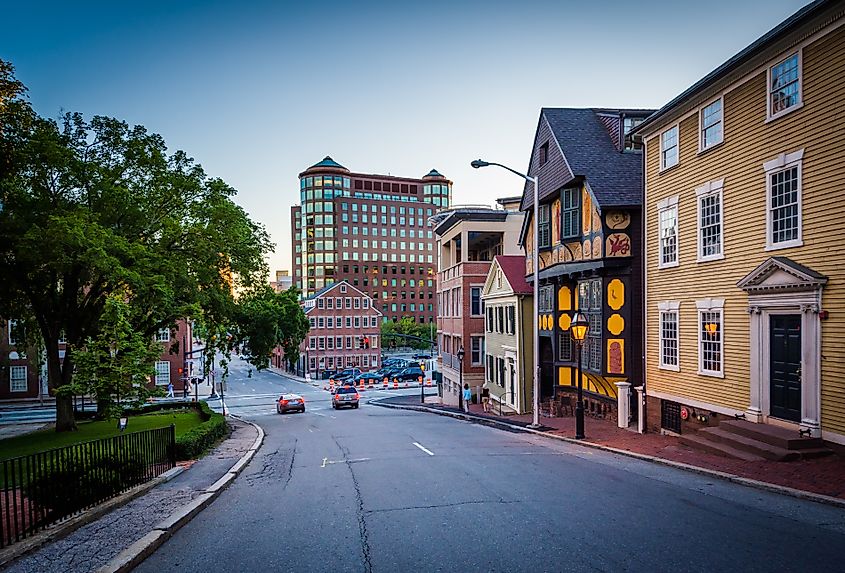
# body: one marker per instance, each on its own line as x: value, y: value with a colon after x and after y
x: 536, y: 267
x: 578, y: 330
x: 461, y: 378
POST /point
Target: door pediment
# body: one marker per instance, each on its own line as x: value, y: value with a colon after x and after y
x: 781, y: 274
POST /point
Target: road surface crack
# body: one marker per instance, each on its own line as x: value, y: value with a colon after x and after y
x: 441, y: 505
x: 362, y: 522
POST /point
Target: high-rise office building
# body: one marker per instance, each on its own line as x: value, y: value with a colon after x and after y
x: 370, y: 230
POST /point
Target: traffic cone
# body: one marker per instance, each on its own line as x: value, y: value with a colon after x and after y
x: 395, y: 383
x: 385, y: 381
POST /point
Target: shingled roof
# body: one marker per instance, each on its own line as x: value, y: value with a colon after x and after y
x: 513, y: 267
x: 615, y: 177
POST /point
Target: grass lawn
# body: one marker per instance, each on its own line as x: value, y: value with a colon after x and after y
x: 48, y: 439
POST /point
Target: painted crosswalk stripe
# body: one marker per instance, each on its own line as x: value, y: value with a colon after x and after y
x: 429, y: 452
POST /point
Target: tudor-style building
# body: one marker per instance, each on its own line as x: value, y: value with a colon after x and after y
x: 743, y: 202
x: 590, y: 180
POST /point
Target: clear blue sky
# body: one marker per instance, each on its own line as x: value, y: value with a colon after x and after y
x: 258, y: 91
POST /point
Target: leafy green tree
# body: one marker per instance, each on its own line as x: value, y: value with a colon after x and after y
x: 117, y: 363
x: 93, y: 208
x: 406, y: 332
x: 269, y: 319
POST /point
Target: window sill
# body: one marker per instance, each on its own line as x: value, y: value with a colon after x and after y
x: 669, y: 367
x: 787, y: 111
x: 702, y: 151
x: 668, y: 265
x: 711, y: 374
x: 663, y: 170
x: 710, y: 258
x: 786, y: 245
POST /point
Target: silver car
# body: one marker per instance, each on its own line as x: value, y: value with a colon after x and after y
x: 290, y: 403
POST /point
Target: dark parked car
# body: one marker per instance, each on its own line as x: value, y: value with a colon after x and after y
x: 345, y: 396
x: 290, y: 403
x: 368, y: 377
x: 347, y: 374
x: 422, y: 357
x: 410, y: 374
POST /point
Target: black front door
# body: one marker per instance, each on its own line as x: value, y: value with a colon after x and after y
x: 785, y: 366
x: 547, y: 368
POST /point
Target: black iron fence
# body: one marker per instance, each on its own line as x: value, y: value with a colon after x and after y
x: 41, y: 489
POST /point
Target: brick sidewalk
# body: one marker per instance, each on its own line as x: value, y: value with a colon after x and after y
x: 825, y: 475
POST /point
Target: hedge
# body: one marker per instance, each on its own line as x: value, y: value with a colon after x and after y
x: 192, y: 444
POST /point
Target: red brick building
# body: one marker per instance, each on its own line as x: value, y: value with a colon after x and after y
x: 345, y: 327
x: 468, y: 238
x: 372, y: 231
x: 23, y: 376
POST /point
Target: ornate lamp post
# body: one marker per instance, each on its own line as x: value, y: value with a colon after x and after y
x: 578, y: 330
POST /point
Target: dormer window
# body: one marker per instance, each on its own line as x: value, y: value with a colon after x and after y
x: 628, y: 124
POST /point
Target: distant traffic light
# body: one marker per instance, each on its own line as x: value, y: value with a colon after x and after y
x: 366, y: 342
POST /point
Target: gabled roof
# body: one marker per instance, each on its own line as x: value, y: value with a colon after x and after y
x: 513, y: 267
x: 781, y: 274
x: 615, y: 177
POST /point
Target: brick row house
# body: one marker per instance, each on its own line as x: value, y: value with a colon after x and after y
x: 468, y: 239
x: 744, y: 194
x: 23, y: 375
x: 344, y: 331
x: 590, y: 180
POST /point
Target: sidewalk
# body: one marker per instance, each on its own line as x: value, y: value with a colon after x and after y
x: 103, y: 543
x: 825, y: 476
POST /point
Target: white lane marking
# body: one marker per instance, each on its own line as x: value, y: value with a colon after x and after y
x: 324, y: 462
x: 310, y: 430
x: 429, y: 452
x: 327, y: 461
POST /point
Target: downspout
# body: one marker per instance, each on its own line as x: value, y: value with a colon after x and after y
x: 643, y: 278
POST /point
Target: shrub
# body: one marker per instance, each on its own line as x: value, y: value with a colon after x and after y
x: 193, y: 443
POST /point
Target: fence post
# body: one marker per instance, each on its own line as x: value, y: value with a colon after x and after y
x: 172, y: 448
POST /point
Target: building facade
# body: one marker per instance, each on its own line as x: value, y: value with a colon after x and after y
x: 468, y: 238
x: 345, y: 331
x: 509, y: 335
x: 743, y: 196
x: 283, y: 281
x: 369, y: 230
x: 590, y: 174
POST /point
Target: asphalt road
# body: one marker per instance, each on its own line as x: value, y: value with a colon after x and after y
x: 377, y: 489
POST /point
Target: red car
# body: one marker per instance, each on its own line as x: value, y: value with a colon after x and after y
x: 290, y: 403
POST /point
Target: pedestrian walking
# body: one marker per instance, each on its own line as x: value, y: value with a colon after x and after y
x: 485, y: 399
x: 170, y: 390
x: 467, y: 397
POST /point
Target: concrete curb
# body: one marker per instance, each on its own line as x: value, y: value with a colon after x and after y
x: 65, y: 528
x: 133, y: 555
x: 781, y: 489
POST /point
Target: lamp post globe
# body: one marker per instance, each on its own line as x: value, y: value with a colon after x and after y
x: 578, y: 330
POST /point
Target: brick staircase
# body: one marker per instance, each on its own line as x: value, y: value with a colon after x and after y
x: 755, y: 442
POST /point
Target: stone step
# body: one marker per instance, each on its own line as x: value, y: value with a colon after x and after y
x: 746, y: 444
x: 774, y: 435
x: 701, y: 443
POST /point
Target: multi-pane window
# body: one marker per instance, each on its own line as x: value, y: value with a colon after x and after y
x: 14, y: 332
x: 784, y: 206
x: 489, y: 312
x: 17, y: 379
x: 511, y: 328
x: 784, y: 85
x: 590, y: 304
x: 163, y: 335
x: 710, y: 341
x: 669, y: 339
x: 544, y: 227
x: 476, y: 304
x: 546, y: 302
x: 669, y: 234
x: 570, y: 213
x: 710, y: 221
x: 564, y: 341
x: 628, y: 124
x: 669, y: 148
x: 477, y: 349
x: 162, y: 373
x: 711, y: 124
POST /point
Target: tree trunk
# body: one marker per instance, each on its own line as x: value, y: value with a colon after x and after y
x: 65, y: 422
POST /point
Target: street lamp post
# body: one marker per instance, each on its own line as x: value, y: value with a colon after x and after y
x: 536, y: 268
x: 461, y: 379
x: 578, y: 330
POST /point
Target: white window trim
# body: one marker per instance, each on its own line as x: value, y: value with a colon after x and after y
x: 665, y: 205
x: 663, y: 166
x: 711, y: 305
x: 783, y: 162
x: 25, y: 379
x: 710, y: 188
x: 701, y: 147
x: 665, y: 307
x: 161, y: 372
x: 773, y: 63
x: 11, y: 324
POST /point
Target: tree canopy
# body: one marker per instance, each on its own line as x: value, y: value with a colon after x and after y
x: 267, y: 319
x: 92, y: 208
